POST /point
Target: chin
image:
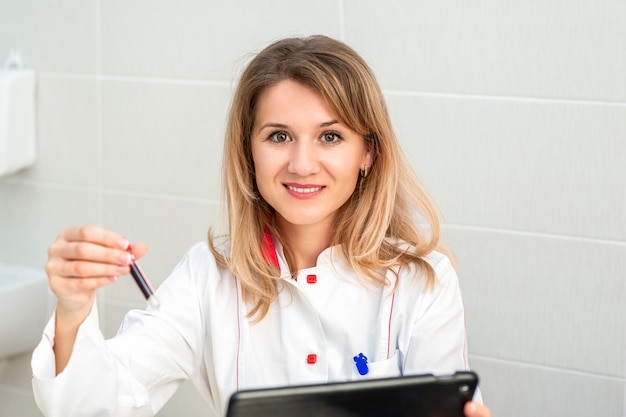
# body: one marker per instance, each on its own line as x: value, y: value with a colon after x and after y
x: 300, y: 219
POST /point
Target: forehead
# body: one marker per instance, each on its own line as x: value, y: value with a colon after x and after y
x: 289, y: 99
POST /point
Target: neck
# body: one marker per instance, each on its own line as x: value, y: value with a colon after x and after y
x: 305, y: 243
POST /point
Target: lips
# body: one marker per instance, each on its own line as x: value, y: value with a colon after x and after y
x: 304, y: 191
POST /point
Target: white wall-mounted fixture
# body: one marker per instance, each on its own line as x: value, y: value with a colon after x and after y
x: 17, y: 115
x: 25, y: 303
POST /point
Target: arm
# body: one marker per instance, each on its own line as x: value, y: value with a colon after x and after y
x: 80, y: 261
x: 77, y: 372
x: 438, y: 336
x: 438, y: 342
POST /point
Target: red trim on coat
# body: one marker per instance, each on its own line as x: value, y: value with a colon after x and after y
x: 393, y: 298
x: 269, y: 250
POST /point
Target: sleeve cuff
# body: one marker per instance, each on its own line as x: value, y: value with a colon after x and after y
x: 43, y: 360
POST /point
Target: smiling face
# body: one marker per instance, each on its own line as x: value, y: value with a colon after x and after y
x: 306, y: 162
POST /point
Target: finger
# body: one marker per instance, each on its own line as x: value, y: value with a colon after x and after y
x: 473, y: 409
x: 87, y: 251
x: 76, y: 260
x: 96, y: 235
x: 137, y: 249
x: 87, y: 284
x: 93, y: 270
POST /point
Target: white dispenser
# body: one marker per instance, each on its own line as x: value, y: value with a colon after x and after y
x: 17, y: 115
x: 25, y: 304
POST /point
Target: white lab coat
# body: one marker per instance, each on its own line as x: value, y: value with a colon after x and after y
x: 311, y: 334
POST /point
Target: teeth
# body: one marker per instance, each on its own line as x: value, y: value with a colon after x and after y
x: 304, y: 190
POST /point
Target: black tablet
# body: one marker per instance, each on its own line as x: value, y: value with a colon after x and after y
x: 406, y: 396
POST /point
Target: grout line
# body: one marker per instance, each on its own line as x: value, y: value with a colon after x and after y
x: 99, y: 141
x: 110, y: 191
x: 342, y: 21
x: 163, y: 80
x: 525, y: 99
x: 537, y: 234
x: 68, y: 75
x: 168, y: 197
x: 46, y: 184
x: 223, y: 83
x: 546, y: 367
x: 137, y: 79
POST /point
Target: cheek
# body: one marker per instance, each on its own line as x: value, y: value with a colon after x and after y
x: 346, y: 176
x: 259, y: 160
x: 265, y: 170
x: 347, y: 165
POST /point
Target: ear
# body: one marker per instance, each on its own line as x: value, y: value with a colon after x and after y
x: 370, y: 154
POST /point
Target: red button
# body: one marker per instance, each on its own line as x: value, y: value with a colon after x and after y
x: 311, y: 359
x: 311, y: 279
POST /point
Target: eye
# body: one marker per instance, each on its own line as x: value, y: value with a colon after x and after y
x: 279, y: 137
x: 331, y: 137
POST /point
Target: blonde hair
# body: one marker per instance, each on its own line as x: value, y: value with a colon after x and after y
x: 376, y: 228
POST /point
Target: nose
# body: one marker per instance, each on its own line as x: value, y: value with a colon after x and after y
x: 303, y: 158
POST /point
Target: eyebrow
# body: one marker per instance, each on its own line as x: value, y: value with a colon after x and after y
x: 283, y: 126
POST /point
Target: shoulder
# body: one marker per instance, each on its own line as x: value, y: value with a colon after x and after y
x: 440, y: 263
x: 440, y: 300
x: 199, y: 255
x: 199, y: 267
x: 414, y: 277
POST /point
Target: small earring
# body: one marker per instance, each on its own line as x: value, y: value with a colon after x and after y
x: 364, y: 172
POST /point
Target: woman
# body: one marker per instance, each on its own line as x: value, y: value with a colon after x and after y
x: 324, y: 260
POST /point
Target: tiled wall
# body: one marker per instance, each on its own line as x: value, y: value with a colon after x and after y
x: 513, y: 114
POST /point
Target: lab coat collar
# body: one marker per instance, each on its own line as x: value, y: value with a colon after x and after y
x: 273, y: 253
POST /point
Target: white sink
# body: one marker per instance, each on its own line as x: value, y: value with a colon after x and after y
x: 24, y: 308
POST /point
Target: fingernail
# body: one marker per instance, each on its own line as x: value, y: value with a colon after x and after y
x: 472, y: 407
x: 112, y: 279
x: 122, y: 270
x: 122, y: 243
x: 126, y: 258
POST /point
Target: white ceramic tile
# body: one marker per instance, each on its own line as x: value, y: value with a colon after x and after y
x: 112, y: 314
x: 544, y: 301
x: 16, y: 397
x: 66, y: 132
x: 534, y: 166
x: 169, y: 228
x: 534, y: 48
x: 16, y: 374
x: 20, y: 404
x: 31, y: 217
x: 54, y: 35
x: 519, y: 390
x: 201, y: 39
x: 163, y: 138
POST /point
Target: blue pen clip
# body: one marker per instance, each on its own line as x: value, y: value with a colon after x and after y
x: 361, y: 363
